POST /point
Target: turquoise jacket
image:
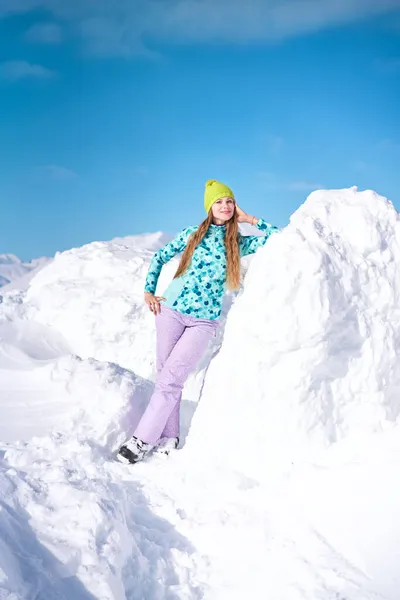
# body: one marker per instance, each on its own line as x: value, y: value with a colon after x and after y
x: 200, y: 290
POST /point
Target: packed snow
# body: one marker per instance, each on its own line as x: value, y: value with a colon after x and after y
x: 286, y: 484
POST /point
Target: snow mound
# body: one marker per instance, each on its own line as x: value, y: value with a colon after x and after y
x: 144, y: 241
x: 73, y: 524
x: 308, y: 374
x: 93, y: 296
x: 70, y: 526
x: 15, y: 274
x: 310, y: 353
x: 45, y: 388
x: 287, y: 487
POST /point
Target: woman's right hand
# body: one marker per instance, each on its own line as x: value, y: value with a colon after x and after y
x: 153, y: 302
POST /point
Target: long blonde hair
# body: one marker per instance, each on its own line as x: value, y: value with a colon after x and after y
x: 231, y: 247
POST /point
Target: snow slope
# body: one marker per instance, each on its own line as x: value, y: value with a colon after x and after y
x: 287, y: 486
x: 16, y: 274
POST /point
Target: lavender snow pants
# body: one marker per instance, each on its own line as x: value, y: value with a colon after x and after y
x: 181, y: 342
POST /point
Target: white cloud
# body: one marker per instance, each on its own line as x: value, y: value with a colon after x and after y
x: 119, y: 27
x: 105, y: 37
x: 56, y: 173
x: 14, y: 70
x: 44, y: 33
x: 260, y: 20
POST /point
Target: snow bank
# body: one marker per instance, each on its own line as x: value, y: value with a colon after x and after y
x: 45, y: 388
x: 310, y: 353
x: 93, y: 296
x: 75, y: 526
x: 287, y: 487
x: 71, y: 525
x: 305, y: 392
x: 16, y: 274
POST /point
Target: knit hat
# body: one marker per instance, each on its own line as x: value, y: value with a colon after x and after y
x: 214, y: 191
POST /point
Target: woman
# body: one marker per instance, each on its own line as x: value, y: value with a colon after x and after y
x: 188, y: 316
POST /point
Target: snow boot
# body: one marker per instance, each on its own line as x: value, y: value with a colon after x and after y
x: 165, y: 445
x: 133, y: 451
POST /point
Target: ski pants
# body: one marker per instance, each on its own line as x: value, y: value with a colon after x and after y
x: 181, y: 342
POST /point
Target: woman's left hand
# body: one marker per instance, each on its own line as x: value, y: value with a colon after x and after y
x: 244, y: 217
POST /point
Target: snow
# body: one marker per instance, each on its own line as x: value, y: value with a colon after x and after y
x: 286, y: 486
x: 16, y: 274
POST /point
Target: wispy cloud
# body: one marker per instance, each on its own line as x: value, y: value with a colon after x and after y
x: 104, y: 37
x: 44, y: 33
x: 56, y: 173
x: 258, y: 20
x: 119, y: 27
x: 14, y: 70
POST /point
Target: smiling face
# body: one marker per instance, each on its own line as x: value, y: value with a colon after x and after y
x: 223, y: 209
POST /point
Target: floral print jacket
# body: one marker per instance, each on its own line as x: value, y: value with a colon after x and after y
x: 200, y: 290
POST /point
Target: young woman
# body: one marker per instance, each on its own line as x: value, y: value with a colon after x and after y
x: 187, y: 315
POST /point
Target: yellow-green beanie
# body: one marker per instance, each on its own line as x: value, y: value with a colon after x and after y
x: 214, y: 191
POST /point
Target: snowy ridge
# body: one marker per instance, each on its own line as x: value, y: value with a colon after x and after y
x: 287, y: 486
x: 15, y: 274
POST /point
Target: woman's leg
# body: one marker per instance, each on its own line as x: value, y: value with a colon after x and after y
x: 169, y: 328
x: 172, y: 426
x: 182, y: 360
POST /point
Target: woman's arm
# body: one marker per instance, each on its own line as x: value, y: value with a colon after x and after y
x: 165, y: 254
x: 248, y: 244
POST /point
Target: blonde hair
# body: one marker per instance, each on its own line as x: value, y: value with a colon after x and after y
x: 231, y: 247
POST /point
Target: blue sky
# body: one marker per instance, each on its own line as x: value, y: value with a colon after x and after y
x: 113, y: 114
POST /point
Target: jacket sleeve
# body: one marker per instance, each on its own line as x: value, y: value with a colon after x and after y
x: 248, y: 244
x: 165, y: 254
